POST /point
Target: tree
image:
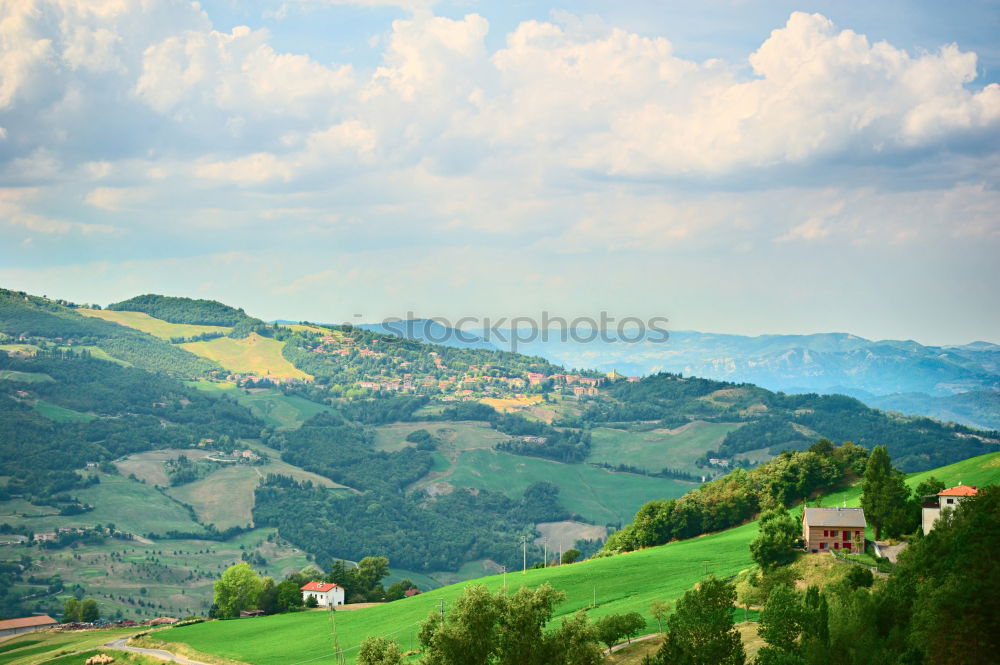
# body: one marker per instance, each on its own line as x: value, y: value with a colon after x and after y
x: 570, y: 556
x: 884, y: 493
x: 89, y: 612
x: 238, y: 589
x: 701, y: 631
x: 773, y: 544
x: 659, y: 609
x: 631, y: 624
x: 609, y: 630
x: 379, y: 651
x: 505, y: 629
x: 71, y: 611
x: 781, y: 619
x: 289, y: 596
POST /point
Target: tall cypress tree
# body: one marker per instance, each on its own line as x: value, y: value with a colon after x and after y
x: 884, y: 493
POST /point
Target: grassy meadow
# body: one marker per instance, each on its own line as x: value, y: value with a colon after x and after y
x: 251, y: 355
x: 153, y: 326
x: 597, y: 495
x: 625, y: 583
x: 658, y: 448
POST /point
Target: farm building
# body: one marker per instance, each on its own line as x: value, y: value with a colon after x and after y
x: 325, y: 594
x: 25, y: 625
x: 933, y: 504
x: 825, y: 529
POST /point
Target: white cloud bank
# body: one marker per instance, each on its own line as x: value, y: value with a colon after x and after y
x: 574, y: 137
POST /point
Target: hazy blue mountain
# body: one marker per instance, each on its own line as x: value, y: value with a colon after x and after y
x: 431, y: 332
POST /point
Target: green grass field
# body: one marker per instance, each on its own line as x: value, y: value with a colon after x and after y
x: 153, y: 326
x: 251, y: 355
x: 130, y: 505
x: 24, y: 377
x: 225, y: 498
x: 58, y: 414
x: 597, y: 495
x: 455, y: 437
x: 270, y: 405
x: 659, y: 448
x: 620, y: 584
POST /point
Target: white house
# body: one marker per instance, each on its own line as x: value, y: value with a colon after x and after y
x: 933, y: 504
x: 324, y: 593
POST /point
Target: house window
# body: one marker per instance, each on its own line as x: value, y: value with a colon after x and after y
x: 847, y: 535
x: 950, y: 501
x: 836, y: 546
x: 822, y: 546
x: 833, y: 534
x: 847, y: 546
x: 826, y: 533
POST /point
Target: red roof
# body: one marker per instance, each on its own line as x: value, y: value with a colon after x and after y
x: 27, y: 622
x: 322, y: 587
x: 961, y: 490
x: 409, y: 593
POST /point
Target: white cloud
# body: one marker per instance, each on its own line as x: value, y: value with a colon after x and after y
x: 116, y: 198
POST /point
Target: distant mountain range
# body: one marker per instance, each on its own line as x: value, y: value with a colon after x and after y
x: 958, y: 383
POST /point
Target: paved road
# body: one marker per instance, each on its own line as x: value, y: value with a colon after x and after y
x: 622, y: 645
x: 155, y: 653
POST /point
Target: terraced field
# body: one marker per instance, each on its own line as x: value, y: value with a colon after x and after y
x: 251, y: 355
x: 153, y: 326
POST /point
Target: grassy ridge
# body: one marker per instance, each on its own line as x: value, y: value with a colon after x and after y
x: 38, y: 647
x: 148, y: 324
x: 625, y: 583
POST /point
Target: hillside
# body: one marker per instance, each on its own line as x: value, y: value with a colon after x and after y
x: 439, y: 458
x: 623, y: 583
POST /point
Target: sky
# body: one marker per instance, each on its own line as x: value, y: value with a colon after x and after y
x: 734, y: 166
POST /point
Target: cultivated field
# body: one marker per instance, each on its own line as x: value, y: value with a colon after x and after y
x: 563, y: 535
x: 24, y: 377
x: 60, y: 414
x: 455, y: 437
x: 597, y: 495
x: 511, y: 404
x: 148, y: 466
x: 619, y: 584
x: 225, y: 498
x: 153, y: 326
x: 251, y: 355
x: 658, y: 448
x: 268, y: 404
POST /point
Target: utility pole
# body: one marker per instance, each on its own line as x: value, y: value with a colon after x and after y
x: 505, y: 579
x: 545, y: 552
x: 524, y: 553
x: 442, y: 609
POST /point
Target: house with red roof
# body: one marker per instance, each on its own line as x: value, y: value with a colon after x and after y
x: 933, y: 504
x: 325, y: 593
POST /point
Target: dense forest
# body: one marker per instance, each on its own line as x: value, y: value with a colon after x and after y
x: 416, y: 532
x: 182, y: 310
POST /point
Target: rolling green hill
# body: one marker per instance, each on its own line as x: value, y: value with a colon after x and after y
x: 622, y: 583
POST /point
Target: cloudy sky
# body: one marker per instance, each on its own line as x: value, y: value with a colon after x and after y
x: 743, y: 167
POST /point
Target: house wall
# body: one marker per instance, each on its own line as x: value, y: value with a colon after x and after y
x: 332, y: 597
x: 19, y: 631
x: 927, y: 518
x: 820, y: 539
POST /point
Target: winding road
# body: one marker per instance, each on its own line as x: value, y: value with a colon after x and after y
x: 155, y: 653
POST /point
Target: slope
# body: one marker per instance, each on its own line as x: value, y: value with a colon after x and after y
x: 623, y: 583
